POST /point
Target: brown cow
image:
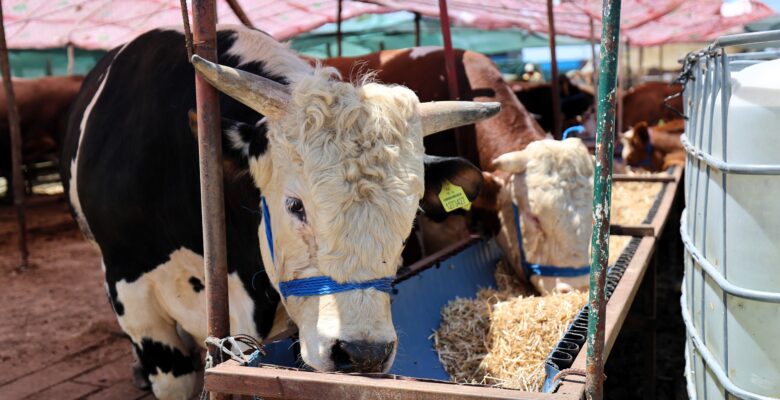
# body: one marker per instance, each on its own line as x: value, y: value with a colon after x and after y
x: 43, y: 105
x: 654, y: 148
x: 645, y: 103
x: 422, y: 70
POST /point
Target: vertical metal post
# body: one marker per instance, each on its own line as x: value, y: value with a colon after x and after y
x: 417, y: 18
x: 593, y: 60
x: 629, y: 80
x: 71, y: 60
x: 452, y: 76
x: 240, y: 13
x: 16, y: 146
x: 338, y: 29
x: 204, y: 15
x: 556, y: 90
x: 640, y: 70
x: 605, y: 136
x: 621, y: 81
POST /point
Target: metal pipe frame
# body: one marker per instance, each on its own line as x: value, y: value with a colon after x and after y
x: 710, y: 80
x: 16, y: 147
x: 204, y: 17
x: 339, y: 35
x: 556, y: 90
x: 709, y: 359
x: 742, y: 39
x: 605, y: 134
x: 712, y: 272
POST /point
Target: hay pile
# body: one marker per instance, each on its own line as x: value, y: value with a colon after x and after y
x: 503, y: 336
x: 631, y: 201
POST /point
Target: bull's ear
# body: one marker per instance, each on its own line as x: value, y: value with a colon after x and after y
x: 455, y: 170
x: 514, y: 162
x: 240, y: 141
x: 641, y: 132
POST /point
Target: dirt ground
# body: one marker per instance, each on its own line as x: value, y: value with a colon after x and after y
x: 60, y: 338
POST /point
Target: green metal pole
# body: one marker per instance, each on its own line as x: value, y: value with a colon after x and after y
x: 605, y: 137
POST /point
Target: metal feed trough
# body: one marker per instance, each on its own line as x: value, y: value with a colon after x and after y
x: 418, y: 298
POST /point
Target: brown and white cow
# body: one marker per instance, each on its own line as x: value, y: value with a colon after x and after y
x: 654, y: 148
x: 512, y: 130
x: 325, y: 180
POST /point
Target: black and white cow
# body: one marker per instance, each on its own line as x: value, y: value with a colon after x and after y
x: 342, y: 173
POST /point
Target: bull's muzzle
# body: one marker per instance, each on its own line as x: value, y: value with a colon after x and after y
x: 361, y: 356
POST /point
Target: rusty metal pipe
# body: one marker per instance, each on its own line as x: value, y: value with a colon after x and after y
x: 465, y: 144
x: 338, y: 29
x: 16, y: 146
x: 204, y: 16
x: 593, y: 58
x: 417, y: 18
x: 605, y: 137
x: 556, y: 90
x: 239, y: 11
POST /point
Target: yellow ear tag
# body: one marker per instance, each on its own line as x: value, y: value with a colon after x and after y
x: 453, y: 197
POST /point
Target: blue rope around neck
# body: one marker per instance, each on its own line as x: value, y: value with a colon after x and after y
x: 321, y: 285
x: 318, y: 285
x: 543, y: 270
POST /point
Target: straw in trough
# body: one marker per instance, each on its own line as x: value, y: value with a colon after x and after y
x: 631, y: 201
x: 503, y: 336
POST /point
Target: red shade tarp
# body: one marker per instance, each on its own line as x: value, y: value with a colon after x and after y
x: 104, y: 24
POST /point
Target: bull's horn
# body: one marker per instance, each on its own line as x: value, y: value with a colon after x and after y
x: 261, y: 94
x: 437, y: 116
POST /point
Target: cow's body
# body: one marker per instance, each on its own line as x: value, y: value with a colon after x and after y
x: 43, y: 105
x: 342, y: 173
x: 537, y: 99
x: 645, y: 103
x: 142, y: 207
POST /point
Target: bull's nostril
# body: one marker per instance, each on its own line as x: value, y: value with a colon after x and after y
x: 361, y: 356
x: 341, y: 359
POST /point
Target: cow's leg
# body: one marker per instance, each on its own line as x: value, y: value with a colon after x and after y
x: 165, y: 358
x: 140, y: 380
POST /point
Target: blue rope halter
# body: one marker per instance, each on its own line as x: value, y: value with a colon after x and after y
x: 576, y: 129
x: 318, y: 285
x: 543, y: 270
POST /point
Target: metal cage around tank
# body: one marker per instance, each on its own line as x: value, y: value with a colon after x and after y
x: 728, y: 352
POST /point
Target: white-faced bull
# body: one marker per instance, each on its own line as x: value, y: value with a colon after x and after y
x: 340, y: 169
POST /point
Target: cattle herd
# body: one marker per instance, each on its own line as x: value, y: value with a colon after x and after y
x: 334, y: 171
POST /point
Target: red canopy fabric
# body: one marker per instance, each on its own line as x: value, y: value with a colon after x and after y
x: 642, y: 22
x: 104, y: 24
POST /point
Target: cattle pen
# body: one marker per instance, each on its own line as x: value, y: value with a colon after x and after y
x: 582, y: 376
x: 624, y: 284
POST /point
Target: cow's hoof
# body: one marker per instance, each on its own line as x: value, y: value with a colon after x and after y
x: 140, y: 380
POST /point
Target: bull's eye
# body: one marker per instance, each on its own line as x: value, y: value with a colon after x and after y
x: 295, y: 207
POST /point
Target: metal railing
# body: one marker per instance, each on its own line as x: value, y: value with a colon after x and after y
x: 707, y: 79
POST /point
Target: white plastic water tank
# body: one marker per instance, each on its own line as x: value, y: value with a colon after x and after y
x: 731, y: 231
